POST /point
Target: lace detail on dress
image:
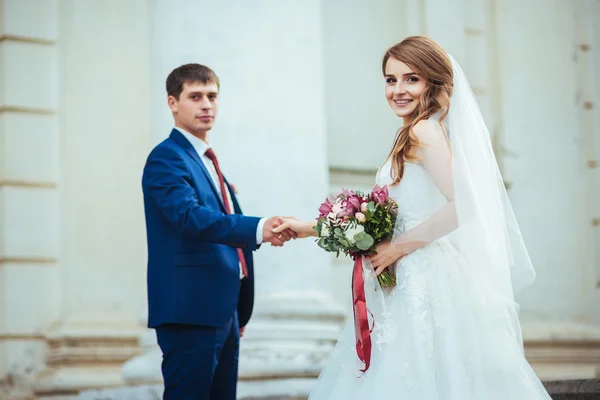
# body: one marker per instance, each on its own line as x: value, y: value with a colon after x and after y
x: 424, y: 300
x: 385, y: 328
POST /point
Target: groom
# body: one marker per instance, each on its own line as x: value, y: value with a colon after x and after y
x: 200, y: 267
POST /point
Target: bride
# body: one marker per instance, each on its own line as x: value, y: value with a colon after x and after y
x: 449, y: 329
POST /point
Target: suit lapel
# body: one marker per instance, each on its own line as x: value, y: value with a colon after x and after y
x: 187, y: 146
x: 236, y: 205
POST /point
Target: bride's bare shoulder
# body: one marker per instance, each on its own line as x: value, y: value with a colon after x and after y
x: 428, y: 130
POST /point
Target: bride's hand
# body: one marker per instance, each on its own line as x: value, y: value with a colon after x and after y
x: 303, y: 229
x: 387, y: 254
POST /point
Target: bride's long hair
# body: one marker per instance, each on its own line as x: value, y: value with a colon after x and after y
x: 431, y: 62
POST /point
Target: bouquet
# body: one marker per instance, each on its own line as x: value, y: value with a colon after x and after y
x: 354, y: 223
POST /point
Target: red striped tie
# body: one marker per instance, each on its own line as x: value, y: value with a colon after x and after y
x: 211, y: 155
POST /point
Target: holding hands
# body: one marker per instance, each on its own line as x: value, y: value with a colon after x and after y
x: 301, y: 229
x: 278, y: 230
x: 274, y: 234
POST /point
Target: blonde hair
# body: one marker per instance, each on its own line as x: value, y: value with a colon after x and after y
x: 430, y: 61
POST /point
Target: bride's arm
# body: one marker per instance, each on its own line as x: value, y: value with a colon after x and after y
x: 302, y: 228
x: 435, y: 156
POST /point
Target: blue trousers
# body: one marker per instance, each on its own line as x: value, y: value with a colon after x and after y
x: 200, y: 362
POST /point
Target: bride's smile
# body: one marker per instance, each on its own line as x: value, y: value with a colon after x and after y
x: 403, y: 87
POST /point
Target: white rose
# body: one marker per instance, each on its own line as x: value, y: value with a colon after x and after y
x: 352, y: 231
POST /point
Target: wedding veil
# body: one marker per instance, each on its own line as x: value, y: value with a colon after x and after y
x: 477, y: 217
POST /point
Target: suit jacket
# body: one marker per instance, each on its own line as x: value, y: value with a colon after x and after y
x: 193, y: 266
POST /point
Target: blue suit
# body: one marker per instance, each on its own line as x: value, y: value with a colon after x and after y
x: 196, y: 300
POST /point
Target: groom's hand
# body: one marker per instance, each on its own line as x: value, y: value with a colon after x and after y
x: 276, y: 239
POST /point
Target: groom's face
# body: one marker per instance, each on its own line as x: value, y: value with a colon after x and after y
x: 196, y: 109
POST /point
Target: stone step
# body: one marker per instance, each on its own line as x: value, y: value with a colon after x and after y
x: 579, y: 389
x: 583, y: 389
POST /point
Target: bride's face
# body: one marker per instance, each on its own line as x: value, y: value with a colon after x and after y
x: 403, y: 87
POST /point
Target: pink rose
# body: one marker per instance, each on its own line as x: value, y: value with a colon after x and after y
x: 363, y: 207
x: 360, y: 217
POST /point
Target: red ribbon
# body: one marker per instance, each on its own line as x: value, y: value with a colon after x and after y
x: 361, y: 318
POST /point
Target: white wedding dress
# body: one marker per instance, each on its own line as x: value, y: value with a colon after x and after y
x: 438, y: 334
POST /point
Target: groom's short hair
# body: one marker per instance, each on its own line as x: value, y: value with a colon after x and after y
x: 189, y: 73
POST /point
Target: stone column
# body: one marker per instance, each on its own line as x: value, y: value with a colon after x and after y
x: 104, y: 125
x: 270, y: 137
x: 587, y: 43
x: 29, y: 194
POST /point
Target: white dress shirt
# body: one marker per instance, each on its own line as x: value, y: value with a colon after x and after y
x: 201, y: 146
